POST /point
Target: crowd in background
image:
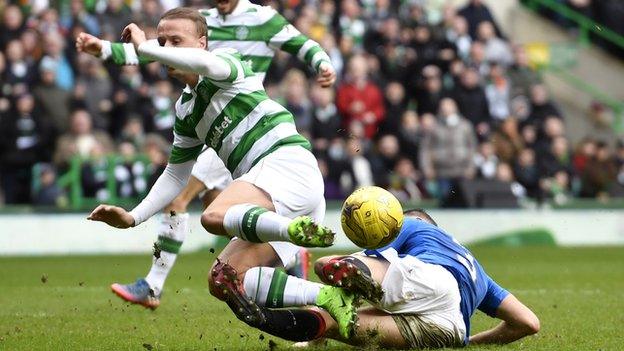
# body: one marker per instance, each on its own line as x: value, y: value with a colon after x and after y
x: 607, y: 13
x: 428, y: 95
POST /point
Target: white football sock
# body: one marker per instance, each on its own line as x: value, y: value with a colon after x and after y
x: 171, y: 234
x: 256, y: 224
x: 273, y: 288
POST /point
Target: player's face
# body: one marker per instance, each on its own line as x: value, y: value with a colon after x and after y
x: 225, y: 6
x: 179, y: 33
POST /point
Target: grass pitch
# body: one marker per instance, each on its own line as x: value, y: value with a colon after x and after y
x: 64, y: 303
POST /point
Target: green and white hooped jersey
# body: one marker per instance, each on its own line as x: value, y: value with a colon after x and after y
x: 234, y: 116
x: 255, y: 31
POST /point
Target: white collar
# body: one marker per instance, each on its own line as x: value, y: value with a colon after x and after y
x: 242, y: 6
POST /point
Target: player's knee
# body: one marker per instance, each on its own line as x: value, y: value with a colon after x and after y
x: 212, y: 221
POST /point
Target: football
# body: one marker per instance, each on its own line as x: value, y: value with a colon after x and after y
x: 371, y: 217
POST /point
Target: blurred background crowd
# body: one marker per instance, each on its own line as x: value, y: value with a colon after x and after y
x: 429, y: 96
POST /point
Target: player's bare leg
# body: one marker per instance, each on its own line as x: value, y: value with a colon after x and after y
x: 518, y: 321
x: 172, y: 232
x: 246, y: 211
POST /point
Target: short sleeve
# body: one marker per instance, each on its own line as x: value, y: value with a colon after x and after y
x: 185, y: 148
x: 493, y: 297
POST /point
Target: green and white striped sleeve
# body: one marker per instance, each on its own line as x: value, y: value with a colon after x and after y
x: 186, y: 145
x: 122, y: 54
x: 284, y: 36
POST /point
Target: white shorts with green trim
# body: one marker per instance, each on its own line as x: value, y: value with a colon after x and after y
x: 290, y: 175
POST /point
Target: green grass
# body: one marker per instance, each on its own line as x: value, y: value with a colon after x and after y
x: 63, y: 303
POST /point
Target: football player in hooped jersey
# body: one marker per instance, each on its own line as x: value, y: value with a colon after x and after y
x: 277, y: 188
x: 424, y: 287
x: 257, y: 32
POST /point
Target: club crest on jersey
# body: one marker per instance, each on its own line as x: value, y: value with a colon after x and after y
x: 241, y: 33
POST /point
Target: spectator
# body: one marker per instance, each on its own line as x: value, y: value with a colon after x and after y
x: 496, y: 49
x: 80, y: 140
x: 54, y: 101
x: 529, y: 136
x: 20, y: 71
x: 157, y: 150
x: 25, y: 141
x: 541, y: 105
x: 507, y: 140
x: 522, y: 76
x: 161, y: 117
x: 396, y: 103
x: 31, y: 43
x: 12, y: 25
x: 54, y: 47
x: 94, y: 89
x: 404, y: 181
x: 410, y: 135
x: 333, y: 190
x: 558, y: 159
x: 133, y: 132
x: 585, y: 151
x: 48, y: 192
x: 360, y: 99
x: 486, y: 161
x: 527, y: 173
x: 115, y: 17
x: 325, y: 119
x: 384, y: 159
x: 350, y: 23
x: 458, y: 35
x: 498, y: 92
x: 429, y: 95
x: 599, y: 174
x: 447, y: 151
x: 557, y: 187
x: 295, y: 92
x: 78, y: 15
x: 504, y: 174
x: 476, y: 12
x: 472, y: 102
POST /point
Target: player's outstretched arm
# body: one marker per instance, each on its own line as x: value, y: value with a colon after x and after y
x: 285, y: 36
x: 120, y: 53
x: 518, y: 321
x: 188, y: 59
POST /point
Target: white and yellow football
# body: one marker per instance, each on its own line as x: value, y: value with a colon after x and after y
x: 371, y: 217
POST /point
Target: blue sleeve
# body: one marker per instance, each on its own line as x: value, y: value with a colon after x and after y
x: 493, y: 297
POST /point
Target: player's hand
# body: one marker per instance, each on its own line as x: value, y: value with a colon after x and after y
x: 133, y: 34
x: 326, y: 75
x: 89, y: 44
x: 112, y: 215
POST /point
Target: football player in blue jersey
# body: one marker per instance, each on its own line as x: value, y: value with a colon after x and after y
x: 423, y: 288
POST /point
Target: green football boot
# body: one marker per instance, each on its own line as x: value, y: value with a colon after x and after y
x: 303, y: 231
x: 342, y: 306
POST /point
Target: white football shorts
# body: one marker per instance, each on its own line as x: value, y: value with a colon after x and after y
x: 290, y: 175
x: 412, y: 286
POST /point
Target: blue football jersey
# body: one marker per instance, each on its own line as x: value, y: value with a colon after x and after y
x: 433, y: 245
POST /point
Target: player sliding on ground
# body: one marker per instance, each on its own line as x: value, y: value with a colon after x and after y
x: 260, y: 32
x: 277, y: 188
x: 424, y: 287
